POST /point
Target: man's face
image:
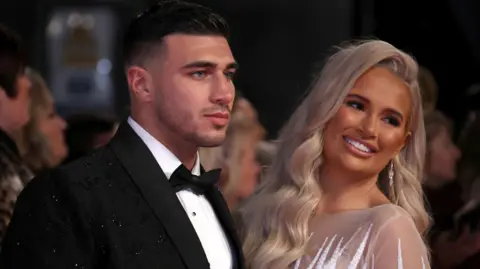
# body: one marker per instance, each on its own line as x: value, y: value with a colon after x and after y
x: 192, y: 87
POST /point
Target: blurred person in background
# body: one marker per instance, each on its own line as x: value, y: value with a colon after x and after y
x: 14, y: 115
x: 444, y: 196
x: 86, y: 132
x: 466, y: 213
x: 469, y: 168
x: 237, y: 155
x: 42, y: 140
x: 265, y: 153
x: 428, y: 89
x: 442, y: 153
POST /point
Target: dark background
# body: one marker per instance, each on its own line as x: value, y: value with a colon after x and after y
x: 280, y: 43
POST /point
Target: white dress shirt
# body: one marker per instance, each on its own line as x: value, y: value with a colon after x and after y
x: 198, y: 208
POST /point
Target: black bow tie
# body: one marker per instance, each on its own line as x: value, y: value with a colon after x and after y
x: 183, y: 179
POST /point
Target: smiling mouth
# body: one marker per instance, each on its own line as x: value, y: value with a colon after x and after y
x: 359, y: 146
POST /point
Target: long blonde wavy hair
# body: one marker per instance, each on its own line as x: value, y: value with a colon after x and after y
x: 273, y: 223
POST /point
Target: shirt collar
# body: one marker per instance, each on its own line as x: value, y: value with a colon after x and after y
x: 165, y: 158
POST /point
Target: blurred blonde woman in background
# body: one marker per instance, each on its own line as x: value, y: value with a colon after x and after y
x: 428, y: 89
x: 344, y: 189
x: 237, y: 155
x: 42, y: 140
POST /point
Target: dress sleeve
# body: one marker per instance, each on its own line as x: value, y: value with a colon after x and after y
x: 399, y: 245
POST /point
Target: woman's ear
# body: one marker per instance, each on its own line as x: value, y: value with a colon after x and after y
x: 406, y: 139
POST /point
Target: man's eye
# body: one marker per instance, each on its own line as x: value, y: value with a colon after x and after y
x: 198, y: 74
x: 230, y: 75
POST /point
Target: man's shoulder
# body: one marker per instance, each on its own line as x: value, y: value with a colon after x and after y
x: 79, y: 174
x: 92, y: 163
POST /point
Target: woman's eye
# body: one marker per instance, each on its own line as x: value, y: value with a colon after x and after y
x: 392, y: 121
x: 355, y: 104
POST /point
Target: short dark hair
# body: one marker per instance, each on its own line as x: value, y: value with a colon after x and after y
x: 12, y: 60
x: 147, y: 31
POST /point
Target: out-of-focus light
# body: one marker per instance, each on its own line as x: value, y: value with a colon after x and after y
x: 55, y: 27
x: 74, y: 20
x: 104, y: 66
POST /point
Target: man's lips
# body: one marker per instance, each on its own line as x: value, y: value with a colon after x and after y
x: 222, y: 115
x: 219, y: 118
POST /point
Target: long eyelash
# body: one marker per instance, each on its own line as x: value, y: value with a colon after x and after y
x: 203, y: 73
x: 393, y: 121
x: 354, y: 104
x: 230, y: 75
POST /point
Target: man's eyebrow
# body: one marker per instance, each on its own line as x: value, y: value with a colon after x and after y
x: 207, y: 64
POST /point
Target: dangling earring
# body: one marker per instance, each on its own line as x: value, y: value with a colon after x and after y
x: 391, y: 173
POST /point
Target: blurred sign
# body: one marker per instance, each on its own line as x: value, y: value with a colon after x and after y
x: 81, y: 47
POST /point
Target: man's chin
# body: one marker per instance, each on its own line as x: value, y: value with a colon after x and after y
x: 211, y: 141
x: 210, y: 144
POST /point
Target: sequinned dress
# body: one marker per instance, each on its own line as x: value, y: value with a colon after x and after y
x: 382, y: 237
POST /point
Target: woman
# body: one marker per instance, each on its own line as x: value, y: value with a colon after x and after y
x: 344, y: 188
x: 236, y: 157
x: 265, y: 152
x: 42, y: 141
x: 428, y: 89
x: 450, y: 248
x: 442, y: 153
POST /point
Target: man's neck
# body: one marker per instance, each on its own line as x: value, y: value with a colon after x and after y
x: 185, y: 151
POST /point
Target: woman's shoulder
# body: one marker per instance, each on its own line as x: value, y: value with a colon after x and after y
x: 393, y: 221
x: 389, y: 213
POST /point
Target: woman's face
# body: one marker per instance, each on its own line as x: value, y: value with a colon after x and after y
x: 369, y: 129
x: 52, y: 126
x: 443, y: 156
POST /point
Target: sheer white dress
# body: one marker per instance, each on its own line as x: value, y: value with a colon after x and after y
x: 382, y: 237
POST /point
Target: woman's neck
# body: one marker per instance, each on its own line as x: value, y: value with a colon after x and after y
x: 343, y: 192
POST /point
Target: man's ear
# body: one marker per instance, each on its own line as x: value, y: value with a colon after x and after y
x: 140, y: 83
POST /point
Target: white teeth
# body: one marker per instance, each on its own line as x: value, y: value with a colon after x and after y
x: 358, y: 145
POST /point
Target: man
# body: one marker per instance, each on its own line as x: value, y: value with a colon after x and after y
x: 124, y: 206
x: 14, y: 102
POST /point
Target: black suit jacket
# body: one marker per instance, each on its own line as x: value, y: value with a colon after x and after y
x: 112, y: 209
